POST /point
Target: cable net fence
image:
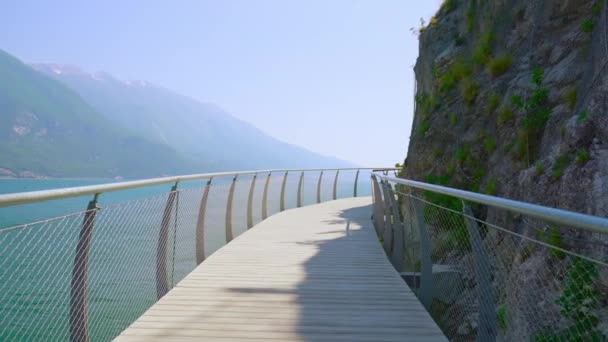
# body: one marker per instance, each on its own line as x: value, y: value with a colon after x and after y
x: 485, y: 273
x: 88, y: 275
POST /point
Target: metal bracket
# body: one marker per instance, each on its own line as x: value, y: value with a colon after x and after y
x: 378, y: 207
x: 229, y: 235
x: 79, y: 301
x: 356, y: 182
x: 282, y: 203
x: 200, y: 225
x: 250, y: 202
x: 487, y: 309
x: 319, y: 187
x: 426, y: 273
x: 335, y: 191
x: 300, y: 183
x: 265, y: 197
x: 388, y: 220
x: 162, y: 286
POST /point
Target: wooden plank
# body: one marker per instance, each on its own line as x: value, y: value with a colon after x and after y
x: 316, y: 273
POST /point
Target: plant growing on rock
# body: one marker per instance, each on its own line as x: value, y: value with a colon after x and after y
x: 501, y: 317
x: 555, y: 240
x: 458, y: 40
x: 424, y: 126
x: 517, y: 101
x: 470, y: 15
x: 505, y: 115
x: 537, y: 112
x: 453, y: 119
x: 597, y: 7
x: 457, y: 71
x: 582, y: 157
x: 571, y: 97
x: 493, y: 101
x: 453, y: 232
x: 578, y: 300
x: 539, y: 168
x: 587, y: 25
x: 582, y: 116
x: 448, y: 5
x: 499, y: 65
x: 560, y: 164
x: 426, y: 103
x: 491, y: 187
x: 469, y: 90
x: 579, y: 295
x: 490, y: 145
x: 521, y: 144
x: 483, y: 49
x: 462, y: 152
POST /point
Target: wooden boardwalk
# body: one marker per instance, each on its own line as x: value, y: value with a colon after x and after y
x: 316, y: 273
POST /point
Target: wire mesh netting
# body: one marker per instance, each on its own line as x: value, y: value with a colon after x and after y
x: 500, y: 275
x: 139, y: 245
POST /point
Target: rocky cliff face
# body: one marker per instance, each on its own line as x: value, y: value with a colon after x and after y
x: 512, y: 99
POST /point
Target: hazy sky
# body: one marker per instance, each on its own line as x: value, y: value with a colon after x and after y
x: 333, y: 76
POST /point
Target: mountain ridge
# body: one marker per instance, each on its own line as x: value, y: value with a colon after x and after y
x: 46, y: 129
x: 201, y: 129
x: 61, y: 121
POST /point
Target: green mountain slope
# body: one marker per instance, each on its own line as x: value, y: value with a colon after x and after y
x: 201, y: 131
x: 48, y: 129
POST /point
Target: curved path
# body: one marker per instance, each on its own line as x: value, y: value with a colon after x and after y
x: 316, y: 273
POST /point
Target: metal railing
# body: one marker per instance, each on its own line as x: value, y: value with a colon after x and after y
x: 87, y: 275
x: 489, y: 268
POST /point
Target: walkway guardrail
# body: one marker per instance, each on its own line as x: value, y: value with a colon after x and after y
x: 87, y: 275
x: 489, y: 268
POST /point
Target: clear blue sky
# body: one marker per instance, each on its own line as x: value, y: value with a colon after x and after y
x: 333, y: 76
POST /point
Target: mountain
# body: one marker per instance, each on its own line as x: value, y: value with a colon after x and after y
x: 202, y: 131
x: 48, y: 129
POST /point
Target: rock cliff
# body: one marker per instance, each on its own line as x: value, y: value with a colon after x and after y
x: 512, y: 100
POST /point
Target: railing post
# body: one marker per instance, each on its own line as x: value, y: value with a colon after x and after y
x: 397, y: 255
x: 356, y: 182
x: 200, y: 225
x: 162, y: 286
x: 300, y: 183
x: 265, y: 197
x: 426, y: 264
x: 250, y: 202
x: 319, y: 187
x: 335, y: 192
x: 228, y: 220
x: 283, y: 191
x: 388, y: 222
x: 378, y: 207
x: 487, y: 310
x: 79, y: 303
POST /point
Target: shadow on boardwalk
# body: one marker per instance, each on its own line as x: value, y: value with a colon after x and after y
x: 351, y: 292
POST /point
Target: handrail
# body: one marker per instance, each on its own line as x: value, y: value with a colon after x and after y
x: 558, y: 216
x: 46, y: 195
x: 153, y: 228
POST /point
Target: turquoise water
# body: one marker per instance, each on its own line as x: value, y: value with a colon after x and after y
x: 36, y: 260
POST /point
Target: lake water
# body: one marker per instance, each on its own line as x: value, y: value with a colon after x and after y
x: 38, y: 241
